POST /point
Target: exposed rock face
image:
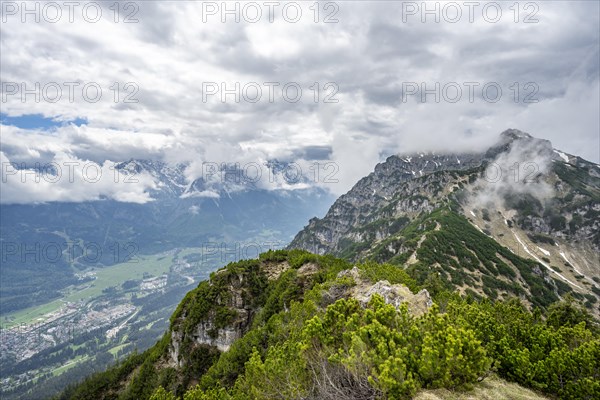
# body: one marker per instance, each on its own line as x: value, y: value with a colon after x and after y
x: 308, y: 269
x: 224, y: 337
x: 395, y: 294
x: 174, y: 359
x: 274, y: 270
x: 234, y: 297
x: 237, y: 298
x: 205, y: 334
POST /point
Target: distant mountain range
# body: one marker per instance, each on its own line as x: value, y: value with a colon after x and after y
x: 231, y: 210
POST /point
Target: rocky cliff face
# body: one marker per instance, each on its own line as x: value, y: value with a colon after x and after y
x: 236, y: 298
x: 217, y: 313
x: 208, y: 332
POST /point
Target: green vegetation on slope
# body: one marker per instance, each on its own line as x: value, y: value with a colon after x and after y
x: 455, y: 254
x: 302, y: 342
x: 347, y: 351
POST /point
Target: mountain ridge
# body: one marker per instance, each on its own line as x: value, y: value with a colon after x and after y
x: 387, y: 200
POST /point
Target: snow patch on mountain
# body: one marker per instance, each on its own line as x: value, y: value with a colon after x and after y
x: 543, y: 263
x: 546, y: 252
x: 562, y: 155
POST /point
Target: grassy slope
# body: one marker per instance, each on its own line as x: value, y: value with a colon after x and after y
x: 445, y: 244
x: 492, y: 388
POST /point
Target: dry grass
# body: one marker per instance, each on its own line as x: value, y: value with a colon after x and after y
x: 492, y: 388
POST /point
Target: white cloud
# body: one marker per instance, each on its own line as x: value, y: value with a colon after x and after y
x: 368, y: 54
x: 71, y: 180
x: 520, y: 171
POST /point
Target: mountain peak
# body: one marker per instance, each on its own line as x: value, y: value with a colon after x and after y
x: 513, y: 134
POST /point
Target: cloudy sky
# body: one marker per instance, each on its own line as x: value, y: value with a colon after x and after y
x: 338, y: 82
